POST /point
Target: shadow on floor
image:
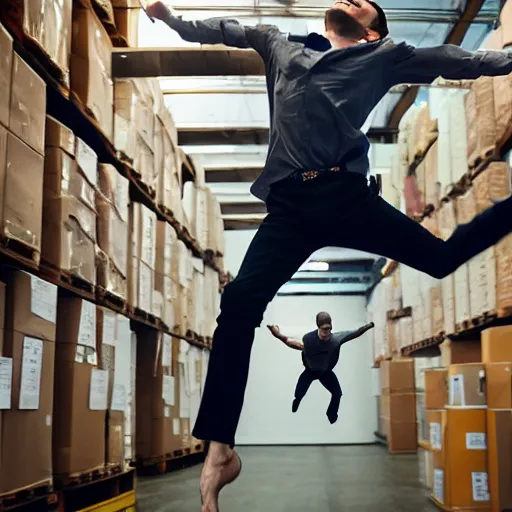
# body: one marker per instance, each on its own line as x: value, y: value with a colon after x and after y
x: 300, y: 479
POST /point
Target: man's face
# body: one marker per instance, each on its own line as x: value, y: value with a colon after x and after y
x: 360, y: 10
x: 324, y: 332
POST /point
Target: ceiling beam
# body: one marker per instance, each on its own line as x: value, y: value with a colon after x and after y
x: 237, y: 136
x: 456, y: 36
x: 206, y: 60
x: 233, y: 175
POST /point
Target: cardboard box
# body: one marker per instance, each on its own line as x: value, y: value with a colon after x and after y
x: 109, y: 277
x: 165, y: 241
x: 69, y: 228
x: 116, y: 188
x: 112, y: 233
x: 28, y: 105
x: 144, y: 229
x: 436, y: 437
x: 397, y: 376
x: 436, y: 389
x: 466, y: 385
x: 127, y: 22
x: 62, y: 178
x: 466, y: 468
x: 499, y: 435
x: 145, y: 287
x: 6, y: 59
x: 399, y: 407
x: 499, y: 385
x: 59, y: 136
x: 31, y: 306
x: 496, y: 344
x: 156, y: 394
x: 91, y: 67
x: 23, y: 193
x: 402, y: 437
x: 49, y: 22
x: 459, y: 352
x: 87, y: 162
x: 26, y: 430
x: 2, y: 315
x: 115, y: 439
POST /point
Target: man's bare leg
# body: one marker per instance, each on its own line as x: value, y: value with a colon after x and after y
x: 222, y: 467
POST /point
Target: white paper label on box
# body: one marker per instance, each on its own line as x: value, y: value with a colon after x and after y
x: 457, y: 395
x: 168, y: 389
x: 43, y: 299
x: 31, y: 369
x: 98, y: 396
x: 119, y: 398
x: 184, y: 348
x: 5, y: 382
x: 167, y: 351
x: 167, y: 412
x: 176, y: 427
x: 476, y: 441
x: 87, y: 161
x: 87, y: 328
x: 148, y: 237
x: 436, y: 436
x: 48, y: 420
x: 438, y: 490
x: 109, y: 328
x: 480, y: 486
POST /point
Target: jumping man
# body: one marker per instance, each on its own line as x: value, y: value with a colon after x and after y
x: 315, y: 183
x: 320, y: 354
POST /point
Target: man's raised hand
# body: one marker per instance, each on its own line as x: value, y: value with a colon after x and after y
x: 274, y: 329
x: 157, y: 10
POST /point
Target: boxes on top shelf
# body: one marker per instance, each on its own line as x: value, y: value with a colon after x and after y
x: 28, y: 105
x: 503, y: 250
x: 115, y: 188
x: 49, y: 22
x: 502, y: 106
x: 127, y: 23
x: 436, y: 388
x: 459, y: 352
x: 6, y: 63
x: 91, y: 67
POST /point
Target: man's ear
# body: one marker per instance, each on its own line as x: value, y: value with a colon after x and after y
x: 372, y: 36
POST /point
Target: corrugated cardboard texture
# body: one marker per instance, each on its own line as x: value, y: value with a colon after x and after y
x: 497, y: 345
x: 460, y: 352
x: 18, y: 313
x: 436, y: 389
x: 499, y: 385
x: 6, y: 57
x: 59, y: 136
x: 26, y: 444
x: 28, y: 105
x: 399, y: 407
x: 499, y: 436
x: 23, y: 193
x: 397, y: 376
x: 78, y: 432
x: 402, y: 437
x: 470, y: 390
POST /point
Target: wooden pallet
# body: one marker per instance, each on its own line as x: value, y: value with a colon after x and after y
x: 479, y: 321
x: 177, y: 460
x: 41, y: 491
x: 81, y: 478
x: 65, y: 279
x: 144, y: 317
x: 399, y: 313
x: 20, y: 253
x: 111, y: 301
x: 487, y: 156
x: 429, y: 343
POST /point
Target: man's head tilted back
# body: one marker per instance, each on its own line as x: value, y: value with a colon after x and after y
x: 356, y: 20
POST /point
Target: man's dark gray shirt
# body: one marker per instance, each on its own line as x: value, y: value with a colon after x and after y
x: 319, y: 355
x: 320, y: 100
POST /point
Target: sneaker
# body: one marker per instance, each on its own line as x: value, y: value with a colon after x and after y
x: 332, y: 419
x: 295, y: 406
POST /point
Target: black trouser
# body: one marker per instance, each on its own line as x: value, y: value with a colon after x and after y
x: 332, y: 210
x: 328, y: 380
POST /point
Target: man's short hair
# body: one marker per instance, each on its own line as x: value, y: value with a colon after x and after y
x: 323, y: 319
x: 380, y: 23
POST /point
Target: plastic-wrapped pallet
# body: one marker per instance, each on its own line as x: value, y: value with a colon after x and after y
x: 406, y: 127
x: 447, y: 223
x: 201, y: 217
x: 443, y: 146
x: 432, y: 188
x: 466, y: 209
x: 480, y: 117
x: 378, y: 310
x: 502, y: 106
x: 189, y: 202
x: 405, y: 326
x: 458, y: 135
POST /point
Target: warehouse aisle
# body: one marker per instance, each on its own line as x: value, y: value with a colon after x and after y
x: 286, y: 479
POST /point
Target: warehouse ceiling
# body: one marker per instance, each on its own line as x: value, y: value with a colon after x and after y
x: 223, y: 120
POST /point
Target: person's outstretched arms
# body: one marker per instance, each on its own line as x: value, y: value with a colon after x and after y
x: 423, y: 65
x: 356, y: 334
x: 215, y: 30
x: 290, y: 342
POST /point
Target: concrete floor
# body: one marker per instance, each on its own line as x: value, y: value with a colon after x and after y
x: 295, y: 479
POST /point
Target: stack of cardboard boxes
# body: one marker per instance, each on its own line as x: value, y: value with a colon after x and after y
x: 398, y: 405
x: 470, y: 420
x: 22, y: 135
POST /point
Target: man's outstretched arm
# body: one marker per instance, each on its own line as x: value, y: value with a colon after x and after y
x: 290, y: 342
x: 214, y: 30
x: 356, y: 334
x: 423, y: 65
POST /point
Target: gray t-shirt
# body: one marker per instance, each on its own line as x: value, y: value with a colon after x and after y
x: 319, y: 355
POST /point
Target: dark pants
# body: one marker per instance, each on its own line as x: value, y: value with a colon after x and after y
x: 332, y: 210
x: 328, y: 380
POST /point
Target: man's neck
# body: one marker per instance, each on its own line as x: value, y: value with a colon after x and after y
x: 339, y: 43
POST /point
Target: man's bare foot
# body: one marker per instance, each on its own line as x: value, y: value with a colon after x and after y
x: 222, y: 467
